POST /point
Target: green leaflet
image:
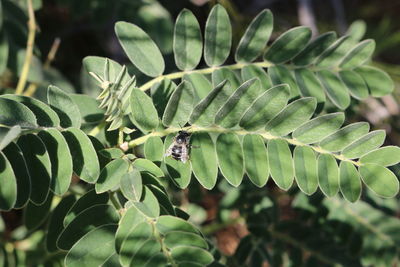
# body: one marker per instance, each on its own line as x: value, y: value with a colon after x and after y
x: 148, y: 203
x: 181, y: 238
x: 357, y: 30
x: 379, y: 82
x: 350, y: 183
x: 354, y: 83
x: 146, y: 165
x: 165, y: 204
x: 36, y: 215
x: 292, y: 116
x: 309, y: 85
x: 112, y: 153
x: 230, y: 158
x: 384, y: 156
x: 218, y: 36
x: 201, y: 85
x: 85, y: 222
x: 255, y: 159
x: 8, y: 188
x: 288, y: 45
x: 14, y: 155
x: 230, y: 113
x: 39, y: 166
x: 252, y: 71
x: 88, y: 108
x: 364, y: 144
x: 141, y: 255
x: 140, y: 49
x: 305, y: 166
x: 167, y: 223
x: 204, y: 159
x: 335, y: 52
x: 93, y: 249
x: 280, y: 75
x: 14, y: 113
x: 221, y: 74
x: 144, y: 113
x: 358, y: 55
x: 179, y: 106
x: 131, y: 185
x: 280, y: 163
x: 335, y: 89
x: 45, y: 116
x: 379, y: 179
x: 316, y: 129
x: 61, y: 161
x: 160, y: 92
x: 345, y: 136
x: 65, y: 108
x: 84, y: 158
x: 111, y: 175
x: 265, y: 107
x: 328, y: 175
x: 192, y: 255
x: 255, y: 38
x: 314, y: 49
x: 153, y: 148
x: 7, y: 135
x: 188, y: 43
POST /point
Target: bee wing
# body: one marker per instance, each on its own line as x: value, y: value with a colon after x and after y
x: 169, y: 150
x: 185, y: 155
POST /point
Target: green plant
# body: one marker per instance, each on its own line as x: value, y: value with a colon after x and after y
x: 257, y: 125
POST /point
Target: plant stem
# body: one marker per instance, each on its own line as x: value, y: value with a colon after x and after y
x: 215, y: 129
x: 115, y: 201
x: 29, y: 49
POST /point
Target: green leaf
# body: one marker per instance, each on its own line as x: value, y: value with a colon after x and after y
x: 35, y: 215
x: 384, y: 156
x: 225, y: 73
x: 379, y: 82
x: 280, y: 163
x: 143, y: 111
x: 14, y: 155
x: 305, y: 166
x: 328, y: 175
x: 379, y: 179
x: 158, y: 260
x: 63, y: 105
x: 160, y: 92
x: 45, y: 116
x: 112, y: 153
x: 165, y: 204
x: 56, y: 222
x: 85, y: 222
x: 335, y: 89
x: 252, y: 71
x: 335, y: 52
x: 14, y: 113
x: 292, y: 116
x: 350, y: 184
x: 35, y: 73
x: 88, y: 200
x: 7, y: 135
x: 204, y: 112
x: 309, y: 85
x: 93, y: 249
x: 167, y: 223
x: 84, y: 158
x: 111, y: 175
x: 39, y: 166
x: 255, y: 38
x: 140, y: 49
x: 230, y: 158
x: 354, y: 83
x: 8, y: 188
x: 204, y: 160
x: 357, y: 30
x: 131, y: 185
x: 179, y: 106
x: 148, y: 166
x: 280, y: 75
x: 201, y: 85
x: 153, y: 148
x: 316, y: 129
x: 180, y: 173
x: 288, y: 45
x: 255, y: 159
x: 179, y: 238
x: 345, y: 136
x: 188, y: 44
x: 148, y: 204
x: 314, y: 49
x: 191, y: 254
x: 142, y: 254
x: 364, y: 144
x: 218, y: 36
x: 358, y: 55
x: 61, y: 161
x: 265, y: 107
x: 88, y: 108
x: 233, y: 109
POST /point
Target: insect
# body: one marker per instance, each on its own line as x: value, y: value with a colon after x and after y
x: 179, y: 149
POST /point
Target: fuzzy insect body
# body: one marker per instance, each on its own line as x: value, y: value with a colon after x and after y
x: 179, y: 149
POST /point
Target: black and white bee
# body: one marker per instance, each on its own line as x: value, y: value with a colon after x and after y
x: 179, y: 149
